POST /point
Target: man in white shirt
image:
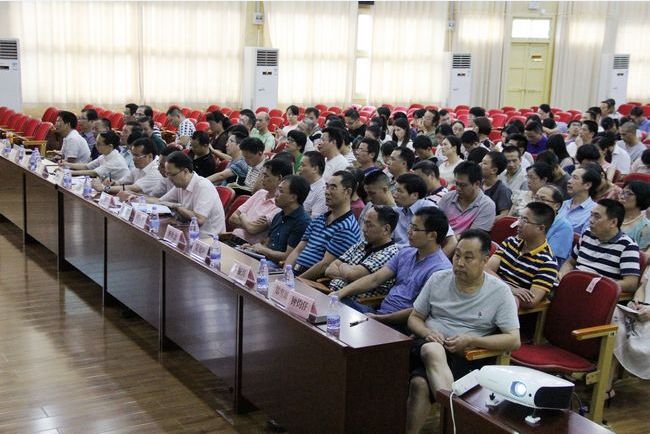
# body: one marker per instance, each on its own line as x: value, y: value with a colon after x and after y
x: 110, y: 164
x: 630, y: 143
x: 74, y: 149
x: 330, y: 147
x: 144, y: 178
x: 192, y: 196
x: 312, y: 167
x: 184, y: 127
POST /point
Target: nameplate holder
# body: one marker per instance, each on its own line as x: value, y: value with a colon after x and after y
x: 13, y: 154
x: 105, y: 200
x: 301, y: 305
x: 241, y: 273
x: 42, y: 170
x: 140, y: 219
x: 280, y: 293
x: 200, y: 250
x: 25, y: 162
x: 125, y: 211
x: 173, y: 235
x: 592, y: 284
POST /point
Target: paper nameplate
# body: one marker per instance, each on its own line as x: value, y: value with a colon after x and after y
x: 280, y: 293
x: 105, y: 200
x: 42, y: 170
x: 173, y: 235
x: 140, y: 219
x: 200, y: 250
x: 592, y: 284
x: 25, y: 162
x: 240, y: 272
x: 13, y: 154
x: 125, y: 211
x: 300, y: 305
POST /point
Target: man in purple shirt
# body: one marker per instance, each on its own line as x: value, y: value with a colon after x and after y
x: 410, y: 268
x: 537, y: 141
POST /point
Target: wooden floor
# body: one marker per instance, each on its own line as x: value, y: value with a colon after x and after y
x: 67, y: 365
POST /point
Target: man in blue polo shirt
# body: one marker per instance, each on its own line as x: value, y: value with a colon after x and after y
x: 328, y: 236
x: 289, y: 225
x: 410, y: 268
x: 583, y: 184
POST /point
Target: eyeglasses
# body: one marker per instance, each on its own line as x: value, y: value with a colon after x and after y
x: 171, y: 175
x: 524, y: 220
x: 626, y: 193
x: 413, y: 228
x: 139, y: 157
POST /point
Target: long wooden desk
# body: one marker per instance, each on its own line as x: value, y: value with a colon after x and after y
x: 302, y: 377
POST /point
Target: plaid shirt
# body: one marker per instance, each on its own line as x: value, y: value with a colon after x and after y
x: 372, y: 259
x: 186, y: 128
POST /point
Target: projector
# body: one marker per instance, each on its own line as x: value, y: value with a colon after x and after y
x: 526, y: 386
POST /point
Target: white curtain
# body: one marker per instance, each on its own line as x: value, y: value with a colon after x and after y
x: 480, y: 31
x: 632, y: 39
x: 316, y: 43
x: 117, y: 52
x: 192, y: 52
x: 74, y: 52
x: 407, y: 61
x: 578, y: 48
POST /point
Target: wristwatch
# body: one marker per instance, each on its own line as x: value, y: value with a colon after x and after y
x: 107, y: 189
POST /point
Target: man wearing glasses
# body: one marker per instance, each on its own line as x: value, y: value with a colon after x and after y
x: 525, y: 261
x: 410, y: 268
x: 192, y: 196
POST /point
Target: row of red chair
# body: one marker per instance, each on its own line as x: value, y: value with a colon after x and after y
x: 29, y: 130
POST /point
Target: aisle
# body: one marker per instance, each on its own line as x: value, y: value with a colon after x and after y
x: 67, y: 365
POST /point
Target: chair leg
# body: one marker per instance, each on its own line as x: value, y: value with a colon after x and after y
x: 504, y: 358
x: 600, y: 388
x: 539, y: 327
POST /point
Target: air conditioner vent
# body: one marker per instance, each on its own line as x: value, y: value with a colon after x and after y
x: 622, y: 61
x: 461, y: 61
x: 8, y: 50
x: 267, y: 58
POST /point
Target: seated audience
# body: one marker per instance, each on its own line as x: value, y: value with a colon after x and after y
x: 630, y: 141
x: 330, y: 146
x: 252, y: 149
x: 85, y: 127
x: 526, y: 261
x: 261, y: 131
x: 607, y: 189
x: 247, y: 119
x: 458, y: 309
x: 252, y: 219
x: 430, y: 174
x: 288, y: 226
x: 147, y: 126
x: 219, y: 125
x: 192, y: 196
x: 202, y: 159
x: 312, y: 167
x: 610, y: 151
x: 642, y: 165
x: 557, y: 145
x: 367, y: 153
x: 313, y: 133
x: 144, y: 178
x: 537, y: 176
x: 514, y: 177
x: 537, y: 141
x: 573, y: 131
x: 353, y: 124
x: 638, y: 116
x: 606, y: 250
x: 492, y: 165
x: 559, y: 177
x: 401, y: 133
x: 470, y: 141
x: 635, y: 198
x: 422, y: 149
x: 292, y: 113
x: 452, y: 155
x: 369, y: 254
x: 410, y: 268
x: 430, y: 123
x: 560, y: 234
x: 521, y: 142
x: 296, y: 141
x: 237, y: 169
x: 577, y: 210
x: 458, y: 127
x: 74, y: 148
x: 377, y: 187
x: 328, y: 236
x: 400, y: 162
x: 110, y: 164
x: 468, y: 207
x: 184, y: 127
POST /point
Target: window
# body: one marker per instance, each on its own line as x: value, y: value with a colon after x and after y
x: 362, y: 54
x: 523, y: 28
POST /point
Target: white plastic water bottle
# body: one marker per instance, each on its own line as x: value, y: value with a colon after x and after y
x: 142, y: 200
x: 289, y: 279
x: 334, y: 316
x: 88, y: 189
x: 154, y: 220
x: 193, y: 231
x: 34, y: 159
x: 21, y: 153
x: 262, y: 284
x: 67, y: 179
x: 215, y: 253
x: 7, y: 148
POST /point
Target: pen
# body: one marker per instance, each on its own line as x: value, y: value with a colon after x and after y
x: 643, y: 303
x: 353, y: 323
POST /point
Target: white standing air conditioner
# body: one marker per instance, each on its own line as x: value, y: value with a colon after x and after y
x: 260, y: 86
x: 460, y: 81
x: 11, y: 94
x: 614, y: 71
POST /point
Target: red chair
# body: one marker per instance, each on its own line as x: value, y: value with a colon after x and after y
x: 493, y: 248
x: 370, y: 108
x: 388, y: 106
x: 221, y: 165
x: 42, y: 130
x: 508, y: 108
x: 186, y: 111
x: 202, y: 126
x: 226, y: 194
x: 522, y: 119
x: 235, y: 114
x: 21, y: 123
x: 213, y: 108
x: 275, y: 113
x: 646, y: 110
x: 625, y: 109
x: 574, y: 112
x: 634, y: 103
x: 461, y: 107
x: 202, y: 117
x: 495, y: 135
x: 226, y: 111
x: 503, y: 229
x: 160, y: 118
x: 277, y: 122
x: 563, y: 117
x: 462, y: 111
x: 644, y: 177
x: 4, y: 120
x: 525, y: 111
x: 499, y: 120
x: 262, y: 109
x: 117, y: 121
x: 239, y: 201
x: 281, y: 147
x: 494, y: 111
x: 334, y: 109
x: 580, y: 311
x: 30, y: 128
x: 416, y: 106
x: 321, y: 107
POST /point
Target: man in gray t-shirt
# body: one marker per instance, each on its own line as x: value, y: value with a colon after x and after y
x: 457, y: 309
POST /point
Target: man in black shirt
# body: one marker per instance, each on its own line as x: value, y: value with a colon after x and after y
x: 202, y: 159
x: 353, y: 124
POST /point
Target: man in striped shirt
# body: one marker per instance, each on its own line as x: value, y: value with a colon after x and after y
x: 328, y: 236
x: 605, y: 249
x: 526, y: 261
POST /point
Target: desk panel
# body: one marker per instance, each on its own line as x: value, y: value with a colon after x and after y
x: 133, y: 269
x: 11, y: 193
x: 84, y: 226
x: 41, y: 211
